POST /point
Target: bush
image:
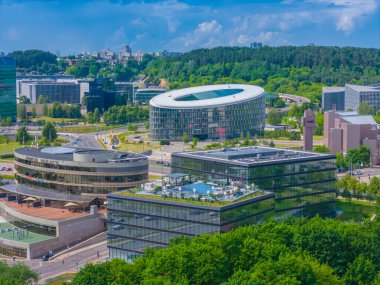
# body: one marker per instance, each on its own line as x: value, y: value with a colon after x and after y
x: 164, y: 142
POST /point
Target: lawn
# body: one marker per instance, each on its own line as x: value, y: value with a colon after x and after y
x: 61, y: 279
x: 55, y: 120
x: 135, y: 146
x: 154, y: 177
x: 355, y: 210
x: 7, y: 145
x: 88, y: 129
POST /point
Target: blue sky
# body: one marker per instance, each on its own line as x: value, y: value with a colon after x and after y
x: 73, y: 26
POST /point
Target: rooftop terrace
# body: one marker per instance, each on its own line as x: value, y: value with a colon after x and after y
x: 207, y: 194
x: 252, y: 155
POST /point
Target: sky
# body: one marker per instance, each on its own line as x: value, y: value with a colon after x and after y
x: 74, y: 26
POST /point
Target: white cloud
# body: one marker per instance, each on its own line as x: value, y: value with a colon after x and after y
x: 347, y: 13
x: 206, y: 34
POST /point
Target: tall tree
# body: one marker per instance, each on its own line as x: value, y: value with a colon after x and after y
x: 49, y: 132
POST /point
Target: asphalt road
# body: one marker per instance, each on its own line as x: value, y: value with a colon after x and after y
x: 71, y: 263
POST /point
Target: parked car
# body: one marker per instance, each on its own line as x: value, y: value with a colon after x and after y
x: 9, y: 169
x: 166, y: 164
x: 118, y: 227
x: 46, y: 257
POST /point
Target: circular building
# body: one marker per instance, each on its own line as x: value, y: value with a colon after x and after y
x: 212, y: 112
x: 79, y: 171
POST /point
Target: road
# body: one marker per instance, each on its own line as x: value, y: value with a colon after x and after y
x: 68, y: 263
x: 367, y: 174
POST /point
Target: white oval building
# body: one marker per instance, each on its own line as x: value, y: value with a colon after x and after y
x: 212, y: 112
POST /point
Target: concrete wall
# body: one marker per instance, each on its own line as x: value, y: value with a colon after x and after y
x: 70, y: 232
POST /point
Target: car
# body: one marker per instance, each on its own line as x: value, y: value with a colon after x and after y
x: 159, y: 162
x: 166, y: 164
x: 46, y: 257
x: 9, y: 169
x: 118, y: 227
x: 2, y: 168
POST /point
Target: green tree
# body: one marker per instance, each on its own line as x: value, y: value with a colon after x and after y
x: 274, y: 117
x: 21, y: 112
x: 341, y: 161
x: 49, y: 132
x: 195, y: 142
x: 96, y: 115
x: 359, y: 155
x: 90, y: 118
x: 321, y: 149
x: 366, y: 109
x: 22, y: 135
x: 24, y: 100
x: 17, y: 274
x: 132, y: 128
x: 360, y: 272
x: 34, y: 112
x: 45, y: 110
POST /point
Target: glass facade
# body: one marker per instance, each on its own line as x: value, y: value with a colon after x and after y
x: 145, y: 95
x: 222, y: 122
x: 354, y: 97
x: 333, y: 99
x: 306, y: 187
x: 76, y: 179
x: 8, y: 88
x: 134, y: 224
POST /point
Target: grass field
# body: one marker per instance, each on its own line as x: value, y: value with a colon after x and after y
x: 7, y: 145
x: 61, y: 279
x: 133, y: 145
x: 355, y: 210
x: 88, y: 129
x: 55, y: 120
x: 154, y: 177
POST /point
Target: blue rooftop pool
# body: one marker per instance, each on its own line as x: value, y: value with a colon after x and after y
x: 200, y: 188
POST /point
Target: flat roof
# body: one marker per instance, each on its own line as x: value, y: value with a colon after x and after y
x: 67, y: 153
x: 255, y: 155
x: 361, y: 88
x: 332, y: 89
x: 207, y: 96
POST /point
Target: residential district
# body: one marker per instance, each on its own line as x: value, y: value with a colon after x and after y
x: 93, y: 169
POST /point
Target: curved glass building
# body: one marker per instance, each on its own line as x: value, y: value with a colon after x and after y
x: 79, y: 171
x: 213, y: 112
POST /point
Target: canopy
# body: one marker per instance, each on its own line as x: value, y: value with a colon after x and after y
x: 30, y: 199
x: 70, y: 204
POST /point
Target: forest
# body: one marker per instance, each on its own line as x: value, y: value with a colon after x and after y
x: 293, y: 251
x: 301, y: 70
x: 286, y: 69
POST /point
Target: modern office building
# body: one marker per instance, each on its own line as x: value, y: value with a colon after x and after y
x: 347, y: 130
x: 52, y: 91
x: 8, y: 88
x: 333, y: 98
x: 304, y: 183
x: 149, y: 218
x: 144, y: 95
x: 58, y: 191
x: 356, y: 94
x: 217, y: 190
x: 78, y: 172
x: 350, y: 97
x: 208, y: 112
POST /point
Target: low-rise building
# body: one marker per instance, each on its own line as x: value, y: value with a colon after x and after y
x: 347, y: 130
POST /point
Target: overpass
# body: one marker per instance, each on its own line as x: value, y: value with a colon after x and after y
x: 294, y: 98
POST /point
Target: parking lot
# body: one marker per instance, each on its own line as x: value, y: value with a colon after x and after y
x: 6, y: 168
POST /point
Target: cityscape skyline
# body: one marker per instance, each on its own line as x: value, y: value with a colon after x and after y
x: 184, y: 25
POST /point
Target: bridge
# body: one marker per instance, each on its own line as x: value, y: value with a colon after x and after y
x: 294, y: 98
